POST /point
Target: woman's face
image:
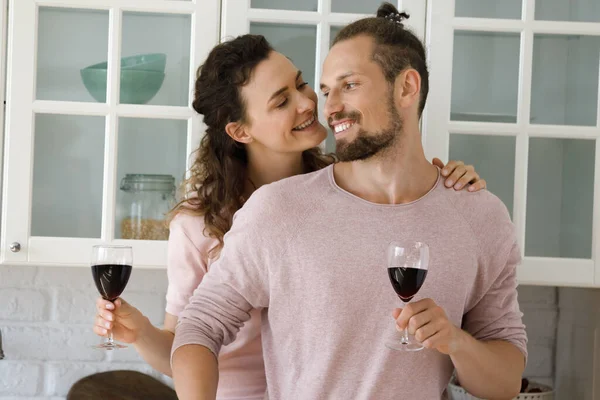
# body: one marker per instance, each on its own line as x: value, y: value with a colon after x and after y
x: 281, y: 108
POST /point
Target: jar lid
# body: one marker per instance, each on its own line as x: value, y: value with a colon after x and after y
x: 148, y: 183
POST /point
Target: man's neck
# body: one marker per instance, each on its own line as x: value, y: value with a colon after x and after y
x: 401, y: 174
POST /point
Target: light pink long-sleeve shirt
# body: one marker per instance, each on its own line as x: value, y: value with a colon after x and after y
x: 241, y: 366
x: 313, y: 257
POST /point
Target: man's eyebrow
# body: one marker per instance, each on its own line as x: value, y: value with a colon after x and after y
x: 339, y: 78
x: 283, y: 89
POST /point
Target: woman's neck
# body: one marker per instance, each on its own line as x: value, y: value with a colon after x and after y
x: 271, y: 167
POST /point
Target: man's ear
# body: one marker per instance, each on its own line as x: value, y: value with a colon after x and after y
x: 237, y: 132
x: 408, y: 88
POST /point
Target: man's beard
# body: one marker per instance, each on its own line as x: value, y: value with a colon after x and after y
x: 368, y: 144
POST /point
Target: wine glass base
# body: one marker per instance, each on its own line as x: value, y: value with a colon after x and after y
x: 402, y: 346
x: 109, y: 346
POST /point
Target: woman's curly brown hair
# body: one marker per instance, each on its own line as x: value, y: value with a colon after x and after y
x: 215, y: 185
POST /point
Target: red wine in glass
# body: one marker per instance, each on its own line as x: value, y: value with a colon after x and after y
x: 407, y: 281
x: 407, y: 270
x: 111, y: 269
x: 111, y: 279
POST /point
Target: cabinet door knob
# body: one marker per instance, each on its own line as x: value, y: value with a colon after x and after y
x: 15, y: 247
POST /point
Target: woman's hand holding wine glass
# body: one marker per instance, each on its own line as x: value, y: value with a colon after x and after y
x: 121, y: 318
x: 111, y: 269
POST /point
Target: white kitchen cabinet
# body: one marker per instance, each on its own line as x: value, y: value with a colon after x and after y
x: 67, y: 145
x: 514, y: 91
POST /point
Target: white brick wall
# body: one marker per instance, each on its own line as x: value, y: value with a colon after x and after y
x: 19, y: 378
x: 540, y: 313
x: 46, y: 317
x: 561, y: 323
x: 577, y: 323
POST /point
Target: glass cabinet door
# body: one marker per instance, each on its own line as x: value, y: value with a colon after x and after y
x: 68, y: 41
x: 517, y: 96
x: 111, y: 126
x: 564, y: 86
x: 68, y: 166
x: 485, y: 90
x: 336, y: 6
x: 298, y: 42
x: 574, y: 10
x: 560, y: 224
x: 160, y: 45
x: 309, y: 5
x: 150, y: 166
x: 507, y: 9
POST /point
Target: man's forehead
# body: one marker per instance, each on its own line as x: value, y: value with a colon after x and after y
x: 340, y: 62
x: 357, y: 46
x: 351, y: 50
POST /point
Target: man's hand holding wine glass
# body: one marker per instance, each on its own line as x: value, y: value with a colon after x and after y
x: 429, y: 324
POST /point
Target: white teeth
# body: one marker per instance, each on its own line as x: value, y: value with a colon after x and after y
x: 342, y: 127
x: 305, y: 125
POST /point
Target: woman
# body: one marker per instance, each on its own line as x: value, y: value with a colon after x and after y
x: 262, y: 126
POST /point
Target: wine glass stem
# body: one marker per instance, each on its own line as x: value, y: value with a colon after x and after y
x: 110, y: 338
x: 405, y: 335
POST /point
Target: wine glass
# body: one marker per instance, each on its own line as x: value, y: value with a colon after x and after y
x: 111, y: 268
x: 407, y: 269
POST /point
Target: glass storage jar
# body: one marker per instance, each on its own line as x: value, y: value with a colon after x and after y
x: 146, y: 199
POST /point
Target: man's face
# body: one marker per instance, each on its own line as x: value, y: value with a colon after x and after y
x: 359, y: 103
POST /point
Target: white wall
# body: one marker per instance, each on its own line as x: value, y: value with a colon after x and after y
x: 577, y: 330
x: 540, y: 315
x: 46, y: 319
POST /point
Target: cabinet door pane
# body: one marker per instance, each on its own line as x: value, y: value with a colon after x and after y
x: 564, y: 88
x: 485, y: 76
x: 155, y: 68
x: 560, y: 195
x: 334, y: 30
x: 493, y: 158
x: 573, y: 10
x: 151, y: 162
x: 68, y: 41
x: 506, y: 9
x: 308, y: 5
x: 298, y: 42
x: 356, y: 6
x: 330, y: 141
x: 67, y: 176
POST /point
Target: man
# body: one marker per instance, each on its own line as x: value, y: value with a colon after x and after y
x: 311, y: 252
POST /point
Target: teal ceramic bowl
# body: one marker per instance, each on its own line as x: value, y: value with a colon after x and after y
x: 145, y: 62
x: 141, y: 78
